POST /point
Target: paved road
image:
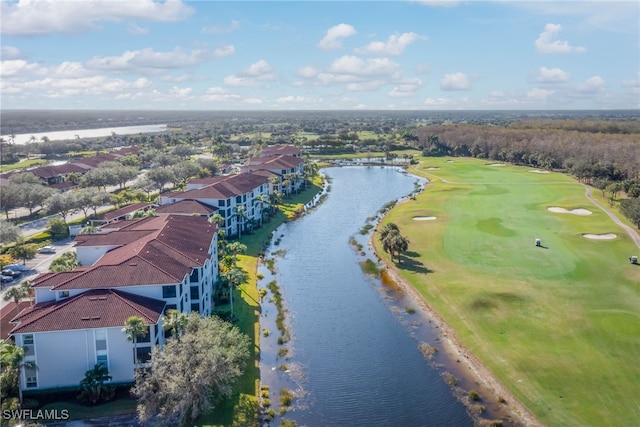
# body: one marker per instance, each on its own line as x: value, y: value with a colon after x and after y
x: 40, y: 264
x: 630, y: 231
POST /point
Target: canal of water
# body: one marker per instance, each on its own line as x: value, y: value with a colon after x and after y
x: 352, y: 358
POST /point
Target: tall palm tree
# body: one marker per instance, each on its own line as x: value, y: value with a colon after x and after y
x: 135, y: 327
x: 235, y: 276
x: 241, y: 215
x: 262, y: 200
x: 175, y: 322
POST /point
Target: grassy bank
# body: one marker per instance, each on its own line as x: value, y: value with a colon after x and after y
x: 558, y: 325
x: 242, y: 408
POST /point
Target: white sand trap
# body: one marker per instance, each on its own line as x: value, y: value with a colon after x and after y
x: 539, y: 171
x: 573, y: 211
x: 449, y: 161
x: 424, y: 218
x: 432, y: 169
x: 496, y: 164
x: 607, y: 236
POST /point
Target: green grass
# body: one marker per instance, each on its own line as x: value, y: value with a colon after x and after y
x: 559, y: 325
x: 22, y: 165
x: 108, y: 409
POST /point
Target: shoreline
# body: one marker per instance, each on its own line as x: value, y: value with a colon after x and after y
x: 466, y: 364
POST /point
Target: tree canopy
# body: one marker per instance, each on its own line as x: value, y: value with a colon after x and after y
x: 175, y: 389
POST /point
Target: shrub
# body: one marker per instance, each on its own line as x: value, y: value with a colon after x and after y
x: 270, y: 414
x: 283, y: 367
x: 450, y: 379
x: 473, y: 395
x: 260, y: 276
x: 283, y: 352
x: 428, y: 352
x: 410, y: 310
x: 264, y: 394
x: 266, y: 403
x: 286, y: 397
x: 287, y: 423
x: 266, y: 332
x: 502, y: 400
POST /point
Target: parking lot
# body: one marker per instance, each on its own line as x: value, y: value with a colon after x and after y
x: 40, y: 264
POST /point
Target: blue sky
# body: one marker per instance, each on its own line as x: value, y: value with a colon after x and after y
x: 287, y: 55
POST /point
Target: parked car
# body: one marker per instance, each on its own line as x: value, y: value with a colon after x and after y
x: 17, y: 267
x: 6, y: 279
x: 47, y: 250
x: 10, y: 273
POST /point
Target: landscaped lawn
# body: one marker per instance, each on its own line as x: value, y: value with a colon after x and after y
x: 559, y: 325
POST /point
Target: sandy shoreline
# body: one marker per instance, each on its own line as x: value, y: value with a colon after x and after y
x: 474, y: 369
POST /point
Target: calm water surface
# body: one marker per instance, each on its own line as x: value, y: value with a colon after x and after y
x: 85, y: 133
x: 353, y: 362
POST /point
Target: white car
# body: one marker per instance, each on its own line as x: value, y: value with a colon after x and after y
x: 47, y: 250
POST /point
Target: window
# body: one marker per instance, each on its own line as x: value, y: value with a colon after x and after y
x: 169, y: 291
x: 195, y: 276
x: 63, y: 294
x: 238, y: 200
x: 32, y: 382
x: 170, y: 307
x: 220, y: 202
x: 144, y: 354
x: 27, y: 339
x: 102, y: 359
x: 195, y: 293
x: 144, y: 338
x: 195, y: 307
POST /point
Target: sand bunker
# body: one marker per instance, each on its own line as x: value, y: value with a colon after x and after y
x: 432, y: 169
x: 573, y: 211
x: 424, y: 218
x: 496, y: 164
x: 539, y: 171
x: 607, y: 236
x: 449, y: 161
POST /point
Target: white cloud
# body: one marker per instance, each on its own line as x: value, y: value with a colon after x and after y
x: 455, y: 81
x: 221, y: 29
x: 359, y: 67
x: 437, y: 3
x: 332, y: 40
x: 137, y: 30
x: 365, y: 86
x: 28, y: 17
x: 539, y: 94
x: 180, y: 92
x: 9, y: 52
x: 552, y: 75
x: 258, y: 69
x: 237, y: 81
x: 224, y: 51
x: 252, y: 75
x: 307, y: 72
x: 219, y: 94
x: 291, y: 99
x: 406, y: 89
x: 395, y: 45
x: 592, y: 85
x: 630, y: 83
x: 17, y: 67
x: 545, y: 43
x: 147, y: 59
x: 436, y: 101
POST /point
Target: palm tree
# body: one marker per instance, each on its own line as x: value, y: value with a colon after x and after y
x: 92, y: 385
x: 387, y: 229
x: 235, y: 276
x: 16, y: 293
x: 11, y: 362
x: 262, y: 199
x: 241, y: 215
x: 135, y: 327
x: 234, y: 249
x: 175, y: 322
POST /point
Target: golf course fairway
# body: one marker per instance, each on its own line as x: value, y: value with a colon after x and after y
x: 558, y: 324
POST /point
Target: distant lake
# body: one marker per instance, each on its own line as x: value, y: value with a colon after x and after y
x: 86, y: 133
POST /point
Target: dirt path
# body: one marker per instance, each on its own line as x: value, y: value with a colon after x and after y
x: 630, y: 231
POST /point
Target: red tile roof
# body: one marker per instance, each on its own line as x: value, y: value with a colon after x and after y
x: 7, y: 313
x: 223, y: 187
x: 288, y: 150
x: 273, y: 162
x: 186, y: 207
x: 97, y: 308
x: 155, y: 250
x: 45, y: 172
x: 123, y: 211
